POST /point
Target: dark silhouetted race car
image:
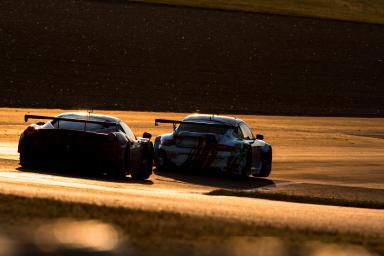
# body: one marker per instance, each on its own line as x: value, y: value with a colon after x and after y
x: 94, y: 142
x: 211, y: 141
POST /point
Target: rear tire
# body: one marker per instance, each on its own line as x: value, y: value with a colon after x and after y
x: 144, y: 172
x: 26, y: 160
x: 145, y: 169
x: 246, y: 172
x: 166, y: 163
x: 165, y: 167
x: 266, y: 166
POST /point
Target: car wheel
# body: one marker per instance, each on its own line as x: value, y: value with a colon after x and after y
x: 162, y: 163
x: 145, y: 170
x: 266, y: 166
x: 246, y: 171
x: 164, y: 167
x: 26, y: 160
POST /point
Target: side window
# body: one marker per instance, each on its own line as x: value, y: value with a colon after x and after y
x: 120, y: 128
x: 238, y: 133
x: 246, y: 131
x: 127, y: 130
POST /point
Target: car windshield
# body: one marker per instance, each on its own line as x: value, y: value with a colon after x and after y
x: 82, y: 126
x: 199, y: 128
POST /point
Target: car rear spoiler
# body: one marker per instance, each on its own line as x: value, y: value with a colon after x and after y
x: 104, y: 123
x: 174, y: 122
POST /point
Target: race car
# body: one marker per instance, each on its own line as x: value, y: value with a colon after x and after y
x: 95, y: 142
x: 213, y: 141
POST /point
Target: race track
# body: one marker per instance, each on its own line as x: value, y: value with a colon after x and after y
x: 308, y: 156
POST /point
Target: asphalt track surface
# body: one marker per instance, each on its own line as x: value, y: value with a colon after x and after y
x: 184, y: 199
x: 184, y: 193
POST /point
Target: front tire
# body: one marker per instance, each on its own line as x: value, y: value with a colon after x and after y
x: 162, y: 163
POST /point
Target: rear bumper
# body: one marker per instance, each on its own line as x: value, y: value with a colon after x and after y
x: 186, y: 157
x: 70, y: 155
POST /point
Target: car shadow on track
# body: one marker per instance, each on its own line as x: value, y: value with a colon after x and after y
x: 214, y: 178
x: 82, y: 174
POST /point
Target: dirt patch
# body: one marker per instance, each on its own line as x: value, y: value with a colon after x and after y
x: 114, y: 55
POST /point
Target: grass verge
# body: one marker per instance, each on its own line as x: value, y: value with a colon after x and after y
x: 164, y: 233
x: 371, y: 11
x: 278, y: 196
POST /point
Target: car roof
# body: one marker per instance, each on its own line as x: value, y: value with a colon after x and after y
x: 90, y: 116
x: 213, y: 119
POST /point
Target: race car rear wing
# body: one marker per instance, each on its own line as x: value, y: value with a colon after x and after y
x: 175, y: 122
x: 166, y: 121
x: 103, y: 123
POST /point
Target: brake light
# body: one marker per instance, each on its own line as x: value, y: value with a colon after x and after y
x: 112, y: 137
x: 30, y: 130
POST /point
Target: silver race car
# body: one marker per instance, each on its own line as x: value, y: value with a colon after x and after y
x: 212, y: 141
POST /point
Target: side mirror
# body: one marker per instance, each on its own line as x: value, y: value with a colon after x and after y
x: 260, y: 137
x: 40, y: 123
x: 147, y: 135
